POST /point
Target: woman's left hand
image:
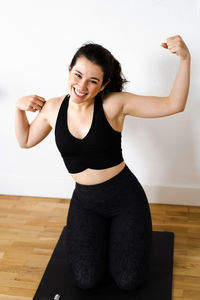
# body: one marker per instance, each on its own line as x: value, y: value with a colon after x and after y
x: 177, y: 46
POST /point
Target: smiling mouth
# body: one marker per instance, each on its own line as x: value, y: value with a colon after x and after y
x: 79, y: 94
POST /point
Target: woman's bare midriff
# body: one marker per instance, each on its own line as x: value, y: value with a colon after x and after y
x: 91, y: 176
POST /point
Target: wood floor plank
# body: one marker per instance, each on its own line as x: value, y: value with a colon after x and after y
x: 8, y: 297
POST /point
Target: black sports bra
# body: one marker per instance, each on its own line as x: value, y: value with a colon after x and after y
x: 99, y: 149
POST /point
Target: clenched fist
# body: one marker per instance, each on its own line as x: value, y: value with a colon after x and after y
x: 177, y: 46
x: 30, y: 103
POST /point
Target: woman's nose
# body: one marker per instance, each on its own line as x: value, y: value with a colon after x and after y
x: 83, y: 85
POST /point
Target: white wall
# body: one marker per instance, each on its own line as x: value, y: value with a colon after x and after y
x: 38, y: 41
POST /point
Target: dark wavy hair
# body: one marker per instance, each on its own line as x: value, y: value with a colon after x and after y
x: 110, y: 66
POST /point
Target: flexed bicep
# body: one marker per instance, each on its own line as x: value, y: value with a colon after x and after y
x: 39, y: 128
x: 29, y: 135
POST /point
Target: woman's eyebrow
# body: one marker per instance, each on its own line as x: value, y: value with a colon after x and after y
x: 91, y: 77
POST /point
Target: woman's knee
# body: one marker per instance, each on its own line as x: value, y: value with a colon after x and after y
x: 85, y: 279
x: 127, y: 281
x: 84, y: 283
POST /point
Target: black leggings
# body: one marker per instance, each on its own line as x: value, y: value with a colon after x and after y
x: 109, y: 228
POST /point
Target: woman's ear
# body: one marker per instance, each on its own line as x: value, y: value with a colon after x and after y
x: 103, y: 86
x: 69, y: 68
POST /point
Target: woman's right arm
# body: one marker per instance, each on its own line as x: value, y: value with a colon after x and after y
x: 29, y: 135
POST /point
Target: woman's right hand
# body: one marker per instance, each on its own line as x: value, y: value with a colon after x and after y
x: 30, y: 103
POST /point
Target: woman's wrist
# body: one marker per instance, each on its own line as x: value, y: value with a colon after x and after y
x: 186, y: 59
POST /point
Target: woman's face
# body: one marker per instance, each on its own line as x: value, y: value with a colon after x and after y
x: 85, y: 80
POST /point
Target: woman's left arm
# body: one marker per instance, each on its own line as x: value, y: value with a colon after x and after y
x: 153, y: 106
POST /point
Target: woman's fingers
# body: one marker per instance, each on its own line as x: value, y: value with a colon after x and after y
x: 37, y: 103
x: 31, y: 103
x: 164, y: 45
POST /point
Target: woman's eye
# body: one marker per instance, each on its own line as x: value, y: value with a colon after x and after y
x: 78, y: 75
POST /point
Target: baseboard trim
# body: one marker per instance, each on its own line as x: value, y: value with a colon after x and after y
x: 173, y: 195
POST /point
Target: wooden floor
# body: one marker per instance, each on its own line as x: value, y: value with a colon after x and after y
x: 30, y: 228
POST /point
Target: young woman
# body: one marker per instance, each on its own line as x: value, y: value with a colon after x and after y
x: 109, y: 221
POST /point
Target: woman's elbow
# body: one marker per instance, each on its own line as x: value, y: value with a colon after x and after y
x: 181, y: 109
x: 24, y: 146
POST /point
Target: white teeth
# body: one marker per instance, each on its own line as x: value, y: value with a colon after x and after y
x: 79, y: 94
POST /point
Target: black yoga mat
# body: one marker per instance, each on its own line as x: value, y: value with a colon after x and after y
x: 158, y: 285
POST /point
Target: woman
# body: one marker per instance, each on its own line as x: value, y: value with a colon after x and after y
x: 109, y: 222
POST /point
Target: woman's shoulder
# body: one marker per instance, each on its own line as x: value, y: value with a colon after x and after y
x: 55, y: 100
x: 114, y: 98
x: 113, y: 103
x: 52, y: 107
x: 54, y: 103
